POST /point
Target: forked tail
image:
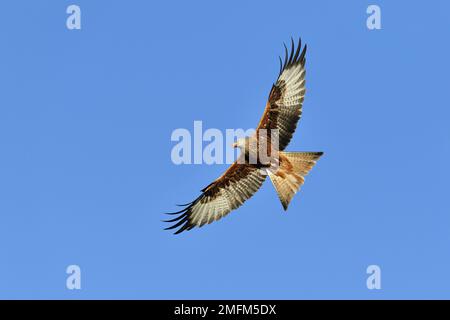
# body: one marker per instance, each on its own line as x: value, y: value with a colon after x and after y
x: 293, y: 167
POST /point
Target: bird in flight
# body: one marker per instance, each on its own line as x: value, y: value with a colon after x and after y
x: 273, y: 133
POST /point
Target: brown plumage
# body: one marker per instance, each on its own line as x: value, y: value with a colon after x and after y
x: 245, y: 176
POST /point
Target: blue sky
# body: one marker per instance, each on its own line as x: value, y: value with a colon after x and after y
x: 85, y: 171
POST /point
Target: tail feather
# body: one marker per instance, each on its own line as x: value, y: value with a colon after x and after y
x: 293, y: 167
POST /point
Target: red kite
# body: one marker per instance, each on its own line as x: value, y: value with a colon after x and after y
x: 244, y: 177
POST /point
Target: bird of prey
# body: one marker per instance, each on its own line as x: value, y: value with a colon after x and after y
x: 246, y: 175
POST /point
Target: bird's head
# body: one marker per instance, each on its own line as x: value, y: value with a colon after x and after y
x: 240, y: 143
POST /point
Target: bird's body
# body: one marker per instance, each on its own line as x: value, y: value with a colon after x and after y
x: 262, y: 154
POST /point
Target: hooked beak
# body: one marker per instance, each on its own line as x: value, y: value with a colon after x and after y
x: 234, y: 145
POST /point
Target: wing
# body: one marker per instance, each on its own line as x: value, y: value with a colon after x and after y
x: 284, y: 106
x: 219, y: 198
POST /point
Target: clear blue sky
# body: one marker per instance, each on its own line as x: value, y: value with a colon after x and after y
x: 85, y: 170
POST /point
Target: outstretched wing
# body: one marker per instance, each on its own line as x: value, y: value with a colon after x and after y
x: 284, y: 106
x: 222, y: 196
